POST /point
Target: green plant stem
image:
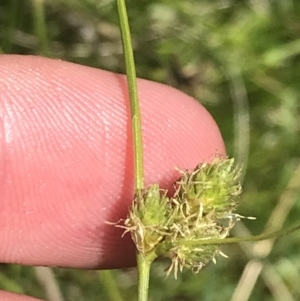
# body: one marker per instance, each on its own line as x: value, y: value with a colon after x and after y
x: 40, y: 26
x: 233, y: 240
x: 12, y: 18
x: 110, y: 286
x: 144, y: 265
x: 166, y: 246
x: 133, y: 95
x: 10, y: 285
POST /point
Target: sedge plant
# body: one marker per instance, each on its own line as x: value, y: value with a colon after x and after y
x: 190, y: 226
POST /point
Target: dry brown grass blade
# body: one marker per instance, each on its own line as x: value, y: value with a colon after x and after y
x: 46, y: 278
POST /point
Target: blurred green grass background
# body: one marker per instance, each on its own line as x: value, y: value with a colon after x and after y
x: 241, y: 60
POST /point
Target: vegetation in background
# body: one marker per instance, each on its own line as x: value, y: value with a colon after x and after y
x: 224, y: 53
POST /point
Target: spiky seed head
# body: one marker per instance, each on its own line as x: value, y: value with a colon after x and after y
x: 202, y: 209
x: 148, y: 218
x: 213, y: 186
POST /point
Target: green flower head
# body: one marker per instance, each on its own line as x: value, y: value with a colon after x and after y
x: 190, y: 226
x: 212, y: 186
x: 148, y: 218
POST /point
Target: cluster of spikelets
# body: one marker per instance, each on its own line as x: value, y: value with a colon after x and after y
x: 181, y: 227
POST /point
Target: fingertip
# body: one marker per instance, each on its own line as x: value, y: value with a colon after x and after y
x: 7, y: 296
x: 69, y: 158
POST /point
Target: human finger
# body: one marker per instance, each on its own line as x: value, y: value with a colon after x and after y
x: 66, y: 158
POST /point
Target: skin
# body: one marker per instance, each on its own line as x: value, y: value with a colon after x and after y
x: 66, y: 159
